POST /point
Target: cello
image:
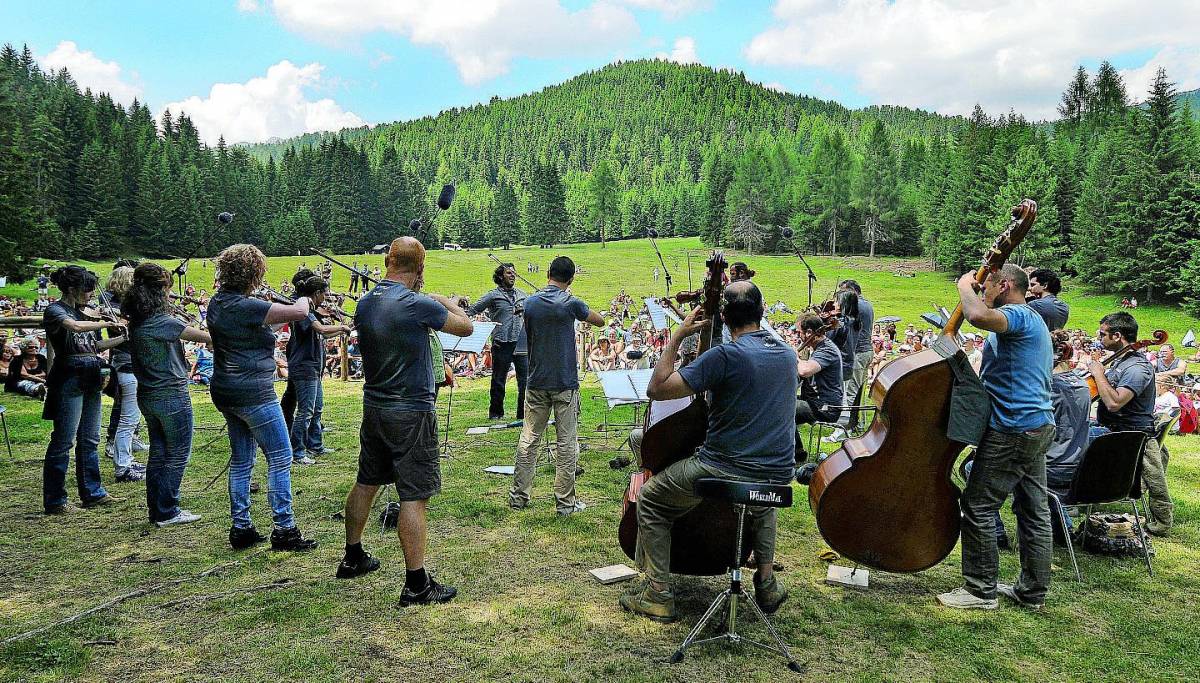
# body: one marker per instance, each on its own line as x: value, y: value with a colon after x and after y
x: 885, y: 499
x: 673, y: 431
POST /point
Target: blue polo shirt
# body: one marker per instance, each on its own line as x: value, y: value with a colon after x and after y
x: 1016, y: 370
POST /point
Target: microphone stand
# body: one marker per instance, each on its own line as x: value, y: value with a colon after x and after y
x: 519, y: 276
x: 812, y: 277
x: 661, y: 262
x: 361, y: 273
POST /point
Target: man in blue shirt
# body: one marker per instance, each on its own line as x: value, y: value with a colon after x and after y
x: 751, y: 437
x: 505, y: 306
x: 553, y: 384
x: 398, y: 436
x: 1017, y: 363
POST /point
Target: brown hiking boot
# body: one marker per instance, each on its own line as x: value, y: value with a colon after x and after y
x: 770, y: 594
x: 656, y: 605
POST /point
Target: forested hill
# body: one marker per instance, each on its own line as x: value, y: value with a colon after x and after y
x: 613, y: 153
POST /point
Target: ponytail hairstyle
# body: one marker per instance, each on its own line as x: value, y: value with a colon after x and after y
x: 847, y: 301
x: 147, y: 296
x: 74, y: 277
x: 308, y: 283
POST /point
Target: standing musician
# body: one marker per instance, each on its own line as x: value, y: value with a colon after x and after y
x: 162, y: 390
x: 124, y: 418
x: 505, y: 306
x: 750, y: 438
x: 399, y: 433
x: 1044, y: 287
x: 844, y: 336
x: 855, y: 377
x: 73, y: 391
x: 243, y: 389
x: 306, y: 365
x: 822, y: 373
x: 1017, y: 362
x: 1126, y: 390
x: 550, y: 316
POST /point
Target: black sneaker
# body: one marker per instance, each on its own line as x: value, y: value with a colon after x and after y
x: 349, y: 569
x: 804, y: 473
x: 434, y: 592
x: 244, y: 537
x: 291, y: 540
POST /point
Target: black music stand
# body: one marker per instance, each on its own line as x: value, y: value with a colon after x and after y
x: 470, y: 344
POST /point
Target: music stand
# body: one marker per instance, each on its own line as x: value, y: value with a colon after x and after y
x: 660, y: 316
x: 473, y: 343
x: 623, y: 388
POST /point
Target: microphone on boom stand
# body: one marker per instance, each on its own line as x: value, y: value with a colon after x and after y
x: 787, y: 234
x: 652, y: 233
x: 180, y: 271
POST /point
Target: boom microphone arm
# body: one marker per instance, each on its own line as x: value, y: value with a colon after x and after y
x: 812, y: 277
x: 652, y: 233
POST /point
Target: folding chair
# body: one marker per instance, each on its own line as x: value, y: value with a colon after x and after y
x: 1109, y: 472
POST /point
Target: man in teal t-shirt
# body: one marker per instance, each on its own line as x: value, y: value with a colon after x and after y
x: 1017, y: 363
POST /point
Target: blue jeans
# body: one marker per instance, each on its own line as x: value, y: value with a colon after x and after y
x: 127, y: 408
x: 263, y: 426
x: 169, y: 419
x: 306, y: 423
x: 76, y: 425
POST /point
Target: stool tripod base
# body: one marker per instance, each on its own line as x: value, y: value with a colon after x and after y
x: 732, y: 596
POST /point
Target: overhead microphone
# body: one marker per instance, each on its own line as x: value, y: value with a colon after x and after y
x: 446, y: 197
x: 414, y: 225
x: 225, y: 217
x: 787, y: 233
x: 651, y: 233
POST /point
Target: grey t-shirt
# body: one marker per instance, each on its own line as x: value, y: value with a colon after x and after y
x: 244, y: 351
x: 305, y: 350
x: 1053, y: 310
x: 393, y: 325
x: 158, y: 358
x: 866, y: 316
x: 826, y: 385
x: 63, y: 341
x: 550, y: 316
x: 503, y: 307
x: 1135, y: 373
x: 751, y: 414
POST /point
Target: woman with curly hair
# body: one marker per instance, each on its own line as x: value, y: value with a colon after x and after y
x: 243, y: 389
x: 73, y: 391
x: 161, y: 367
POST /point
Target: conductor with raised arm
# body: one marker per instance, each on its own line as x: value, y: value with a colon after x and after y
x: 505, y: 306
x: 398, y: 436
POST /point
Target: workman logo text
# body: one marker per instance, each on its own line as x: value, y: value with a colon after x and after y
x: 769, y: 497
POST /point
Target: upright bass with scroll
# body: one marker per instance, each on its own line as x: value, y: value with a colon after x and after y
x: 885, y: 499
x: 674, y: 430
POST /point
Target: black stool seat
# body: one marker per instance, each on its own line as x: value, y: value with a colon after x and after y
x: 758, y: 494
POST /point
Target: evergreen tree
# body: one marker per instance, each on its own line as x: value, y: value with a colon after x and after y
x: 1163, y: 245
x: 603, y: 209
x: 19, y: 239
x: 877, y: 194
x: 1029, y: 177
x: 505, y: 220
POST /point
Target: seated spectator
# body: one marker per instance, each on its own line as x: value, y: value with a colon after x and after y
x: 202, y: 368
x: 602, y: 357
x: 27, y: 373
x: 1165, y: 400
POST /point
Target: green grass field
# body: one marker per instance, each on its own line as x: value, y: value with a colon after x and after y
x: 527, y: 610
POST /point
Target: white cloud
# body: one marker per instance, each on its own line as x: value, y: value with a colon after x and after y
x: 682, y: 52
x: 89, y: 71
x: 949, y: 54
x: 1182, y: 65
x: 482, y: 37
x: 275, y: 105
x: 248, y: 5
x: 776, y: 86
x: 670, y: 8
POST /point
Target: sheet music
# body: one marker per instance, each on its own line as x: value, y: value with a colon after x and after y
x: 622, y: 387
x: 471, y: 344
x: 658, y: 313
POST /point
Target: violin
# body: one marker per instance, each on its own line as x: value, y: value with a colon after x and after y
x: 1157, y: 338
x: 673, y: 431
x: 885, y: 499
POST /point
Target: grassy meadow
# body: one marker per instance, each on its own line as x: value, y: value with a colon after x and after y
x: 527, y: 609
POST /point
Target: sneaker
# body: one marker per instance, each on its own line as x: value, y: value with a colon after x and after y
x: 579, y: 506
x: 291, y: 540
x: 517, y: 506
x: 961, y: 598
x: 349, y: 569
x: 804, y: 473
x: 130, y: 475
x: 135, y: 465
x: 838, y: 436
x: 110, y: 449
x: 770, y: 594
x: 496, y: 417
x: 241, y: 538
x: 654, y: 605
x: 434, y: 593
x: 183, y: 517
x: 61, y: 509
x: 303, y: 459
x: 102, y: 501
x: 254, y: 487
x: 1008, y: 591
x: 323, y: 450
x: 138, y: 445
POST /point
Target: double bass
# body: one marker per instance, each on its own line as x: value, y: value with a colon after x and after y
x: 673, y: 431
x: 885, y: 499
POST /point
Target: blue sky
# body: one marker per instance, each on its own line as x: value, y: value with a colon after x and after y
x: 348, y: 61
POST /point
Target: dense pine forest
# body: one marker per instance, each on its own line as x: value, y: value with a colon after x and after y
x: 684, y: 150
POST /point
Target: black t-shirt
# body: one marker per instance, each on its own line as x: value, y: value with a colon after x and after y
x: 158, y: 358
x: 244, y: 351
x: 305, y: 350
x: 16, y: 367
x: 393, y: 334
x: 64, y: 341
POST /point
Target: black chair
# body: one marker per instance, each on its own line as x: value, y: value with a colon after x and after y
x: 1165, y: 423
x: 741, y: 494
x: 1109, y: 472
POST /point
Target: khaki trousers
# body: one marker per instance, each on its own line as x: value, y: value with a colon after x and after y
x: 538, y: 405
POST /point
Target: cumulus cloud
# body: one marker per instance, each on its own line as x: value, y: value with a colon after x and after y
x: 1182, y: 65
x: 481, y: 37
x: 248, y: 5
x: 670, y: 8
x: 274, y: 105
x: 950, y: 54
x: 682, y: 52
x: 89, y: 71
